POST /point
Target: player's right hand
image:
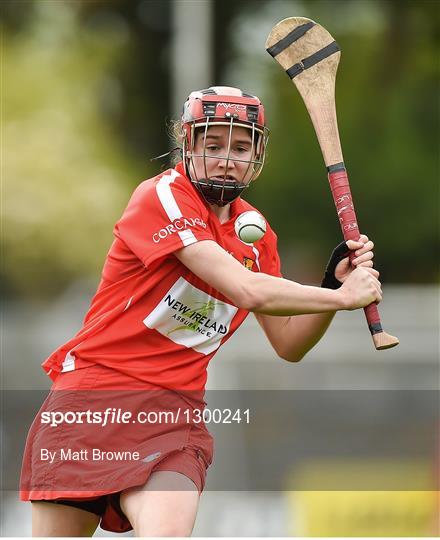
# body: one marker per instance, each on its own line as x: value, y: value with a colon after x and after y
x: 361, y: 288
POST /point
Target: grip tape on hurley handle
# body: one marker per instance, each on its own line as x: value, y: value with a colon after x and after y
x: 340, y: 187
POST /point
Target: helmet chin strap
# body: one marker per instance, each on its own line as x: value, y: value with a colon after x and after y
x: 218, y: 192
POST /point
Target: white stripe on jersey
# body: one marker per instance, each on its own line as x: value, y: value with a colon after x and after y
x: 170, y: 205
x: 257, y: 257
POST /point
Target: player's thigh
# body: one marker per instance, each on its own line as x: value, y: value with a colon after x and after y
x: 165, y: 506
x: 49, y: 519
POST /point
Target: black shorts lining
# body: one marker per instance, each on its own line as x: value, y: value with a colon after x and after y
x: 95, y: 506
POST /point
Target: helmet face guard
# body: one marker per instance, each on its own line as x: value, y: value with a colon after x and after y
x: 231, y: 108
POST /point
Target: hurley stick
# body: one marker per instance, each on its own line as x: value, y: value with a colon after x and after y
x: 310, y: 57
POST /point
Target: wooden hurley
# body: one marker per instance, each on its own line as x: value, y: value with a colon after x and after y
x: 310, y: 57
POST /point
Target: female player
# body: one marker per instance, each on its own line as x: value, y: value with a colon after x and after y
x: 176, y: 284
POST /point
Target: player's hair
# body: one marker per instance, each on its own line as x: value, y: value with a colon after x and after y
x: 176, y: 135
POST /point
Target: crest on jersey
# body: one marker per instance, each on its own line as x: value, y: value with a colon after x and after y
x: 248, y: 263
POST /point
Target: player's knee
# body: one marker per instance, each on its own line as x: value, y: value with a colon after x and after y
x: 170, y: 530
x: 50, y: 519
x: 144, y: 526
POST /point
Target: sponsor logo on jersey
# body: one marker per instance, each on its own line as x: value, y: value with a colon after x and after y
x: 191, y: 317
x: 179, y: 224
x: 195, y: 319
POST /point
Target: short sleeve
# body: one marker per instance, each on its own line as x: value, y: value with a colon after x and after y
x: 275, y: 265
x: 163, y: 215
x: 270, y: 259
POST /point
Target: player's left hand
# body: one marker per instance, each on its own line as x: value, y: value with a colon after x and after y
x: 339, y: 266
x: 364, y: 255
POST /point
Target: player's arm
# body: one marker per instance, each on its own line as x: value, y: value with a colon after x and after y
x: 293, y: 337
x: 261, y: 293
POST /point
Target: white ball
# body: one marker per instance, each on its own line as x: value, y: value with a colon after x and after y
x: 250, y: 226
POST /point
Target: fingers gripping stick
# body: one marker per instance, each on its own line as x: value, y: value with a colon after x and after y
x: 310, y: 57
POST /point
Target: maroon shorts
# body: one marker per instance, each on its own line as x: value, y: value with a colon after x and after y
x: 86, y: 461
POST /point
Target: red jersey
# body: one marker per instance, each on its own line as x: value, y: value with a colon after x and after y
x: 151, y: 317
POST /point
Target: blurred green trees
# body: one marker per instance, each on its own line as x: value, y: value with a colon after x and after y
x: 85, y: 98
x: 387, y: 101
x: 67, y: 177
